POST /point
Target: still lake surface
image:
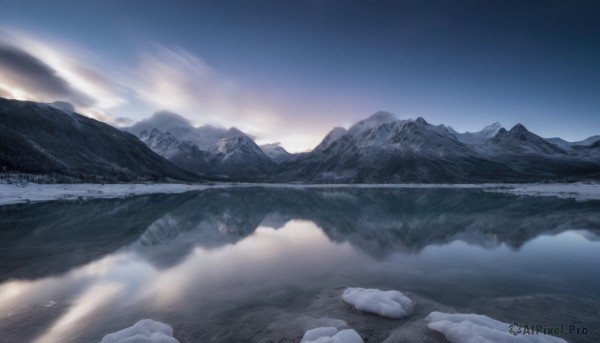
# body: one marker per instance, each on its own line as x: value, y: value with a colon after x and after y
x: 263, y: 264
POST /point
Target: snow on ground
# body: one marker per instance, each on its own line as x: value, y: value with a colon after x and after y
x: 331, y: 334
x: 391, y: 304
x: 33, y: 192
x: 476, y: 328
x: 578, y: 191
x: 144, y: 331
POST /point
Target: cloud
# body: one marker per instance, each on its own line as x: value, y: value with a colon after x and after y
x: 48, y: 70
x: 174, y: 79
x: 179, y: 81
x: 123, y: 121
x: 24, y: 71
x: 203, y: 136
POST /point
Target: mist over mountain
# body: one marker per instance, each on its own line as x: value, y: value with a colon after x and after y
x: 202, y: 136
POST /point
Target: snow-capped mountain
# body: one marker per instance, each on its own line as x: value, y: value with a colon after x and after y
x: 39, y: 138
x: 203, y: 136
x: 478, y: 137
x: 573, y: 146
x: 383, y: 149
x: 239, y: 156
x: 275, y: 151
x: 42, y: 138
x: 184, y: 154
x: 236, y: 156
x: 519, y: 140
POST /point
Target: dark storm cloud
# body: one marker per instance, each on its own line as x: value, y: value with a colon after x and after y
x: 25, y: 71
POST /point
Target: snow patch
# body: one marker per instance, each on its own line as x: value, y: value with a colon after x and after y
x: 331, y: 334
x: 579, y: 191
x: 391, y: 304
x: 33, y: 192
x: 477, y: 328
x: 144, y: 331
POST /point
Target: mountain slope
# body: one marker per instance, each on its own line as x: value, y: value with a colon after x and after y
x: 186, y: 155
x: 382, y: 149
x: 477, y: 137
x: 521, y: 141
x: 275, y: 151
x: 240, y: 158
x: 535, y: 158
x: 40, y: 139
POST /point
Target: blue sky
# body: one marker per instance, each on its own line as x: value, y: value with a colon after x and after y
x: 289, y: 71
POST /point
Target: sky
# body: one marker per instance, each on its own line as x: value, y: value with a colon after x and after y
x: 289, y: 71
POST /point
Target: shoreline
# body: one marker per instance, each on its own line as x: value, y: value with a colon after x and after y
x: 33, y: 192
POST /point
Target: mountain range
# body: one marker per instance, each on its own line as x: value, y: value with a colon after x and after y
x: 41, y: 138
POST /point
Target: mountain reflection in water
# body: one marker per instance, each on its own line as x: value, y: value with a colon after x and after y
x: 258, y: 263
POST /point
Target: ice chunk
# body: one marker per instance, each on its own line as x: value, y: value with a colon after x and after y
x: 392, y: 304
x: 331, y: 334
x: 144, y: 331
x: 477, y: 328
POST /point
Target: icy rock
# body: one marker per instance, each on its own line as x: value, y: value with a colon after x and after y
x: 144, y: 331
x: 391, y: 304
x: 331, y: 334
x: 477, y: 328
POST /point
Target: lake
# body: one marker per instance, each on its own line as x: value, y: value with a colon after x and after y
x: 264, y: 264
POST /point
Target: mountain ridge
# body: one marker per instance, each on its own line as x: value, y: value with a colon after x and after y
x: 379, y: 149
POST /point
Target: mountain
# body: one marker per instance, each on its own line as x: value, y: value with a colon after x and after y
x: 521, y: 141
x: 203, y: 137
x: 275, y: 151
x: 477, y: 137
x: 38, y: 138
x: 568, y: 146
x: 235, y: 157
x: 186, y: 155
x: 52, y: 139
x: 240, y: 158
x: 383, y: 149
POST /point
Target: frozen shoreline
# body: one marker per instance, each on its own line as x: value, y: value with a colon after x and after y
x: 32, y: 192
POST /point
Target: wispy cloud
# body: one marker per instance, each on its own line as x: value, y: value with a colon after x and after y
x: 46, y: 70
x: 177, y: 80
x: 161, y: 78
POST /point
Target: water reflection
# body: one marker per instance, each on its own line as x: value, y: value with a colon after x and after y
x: 252, y: 264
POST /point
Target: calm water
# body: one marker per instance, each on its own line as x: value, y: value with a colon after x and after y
x: 264, y: 264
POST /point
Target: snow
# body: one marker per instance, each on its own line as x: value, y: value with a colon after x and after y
x: 579, y: 191
x: 391, y: 304
x: 32, y: 192
x: 15, y: 193
x: 144, y: 331
x: 476, y: 328
x: 331, y: 334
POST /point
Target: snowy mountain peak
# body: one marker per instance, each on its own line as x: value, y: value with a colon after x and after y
x: 477, y: 137
x: 331, y: 137
x: 519, y: 128
x: 233, y: 132
x: 519, y: 140
x: 491, y: 130
x: 275, y: 151
x: 230, y: 144
x: 376, y: 119
x: 381, y: 117
x: 163, y: 143
x: 421, y: 121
